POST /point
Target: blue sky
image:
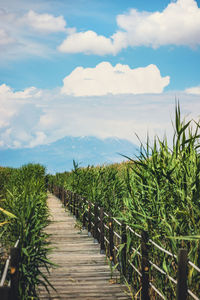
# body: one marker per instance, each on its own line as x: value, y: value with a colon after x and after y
x: 102, y: 68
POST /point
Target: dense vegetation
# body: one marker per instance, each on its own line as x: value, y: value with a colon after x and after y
x: 24, y: 214
x: 158, y: 191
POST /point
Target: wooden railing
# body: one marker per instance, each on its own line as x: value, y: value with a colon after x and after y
x: 9, y: 282
x: 114, y: 237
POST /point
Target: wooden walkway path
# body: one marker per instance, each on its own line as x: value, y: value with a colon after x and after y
x: 83, y: 272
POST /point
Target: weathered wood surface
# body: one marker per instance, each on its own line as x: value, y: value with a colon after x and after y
x: 83, y: 272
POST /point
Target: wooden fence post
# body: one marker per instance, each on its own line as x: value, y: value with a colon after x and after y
x: 70, y: 201
x: 14, y: 273
x: 60, y: 193
x: 123, y: 254
x: 96, y: 232
x: 5, y: 293
x: 111, y: 243
x: 89, y: 219
x: 84, y: 212
x: 68, y: 195
x: 65, y: 197
x: 60, y: 196
x: 145, y: 266
x: 77, y: 204
x: 102, y: 242
x: 54, y: 190
x: 74, y: 204
x: 182, y: 275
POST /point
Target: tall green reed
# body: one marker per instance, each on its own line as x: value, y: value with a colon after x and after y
x: 165, y: 197
x: 158, y: 191
x: 26, y: 198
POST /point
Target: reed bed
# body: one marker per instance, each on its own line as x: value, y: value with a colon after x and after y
x: 24, y: 214
x: 158, y: 191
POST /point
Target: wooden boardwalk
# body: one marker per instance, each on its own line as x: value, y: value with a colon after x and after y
x: 83, y: 272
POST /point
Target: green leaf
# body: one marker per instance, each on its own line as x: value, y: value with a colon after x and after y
x: 186, y: 237
x: 7, y: 213
x: 24, y: 250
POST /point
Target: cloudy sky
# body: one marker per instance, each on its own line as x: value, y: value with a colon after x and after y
x: 100, y: 68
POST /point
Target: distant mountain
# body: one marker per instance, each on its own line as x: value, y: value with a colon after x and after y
x: 58, y: 156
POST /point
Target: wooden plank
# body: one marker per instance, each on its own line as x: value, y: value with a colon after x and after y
x: 83, y: 272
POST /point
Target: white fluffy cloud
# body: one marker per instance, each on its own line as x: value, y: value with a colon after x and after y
x: 28, y: 119
x: 87, y: 42
x: 178, y: 24
x: 18, y: 117
x: 39, y: 138
x: 7, y: 93
x: 20, y: 34
x: 44, y: 23
x: 193, y: 90
x: 121, y: 79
